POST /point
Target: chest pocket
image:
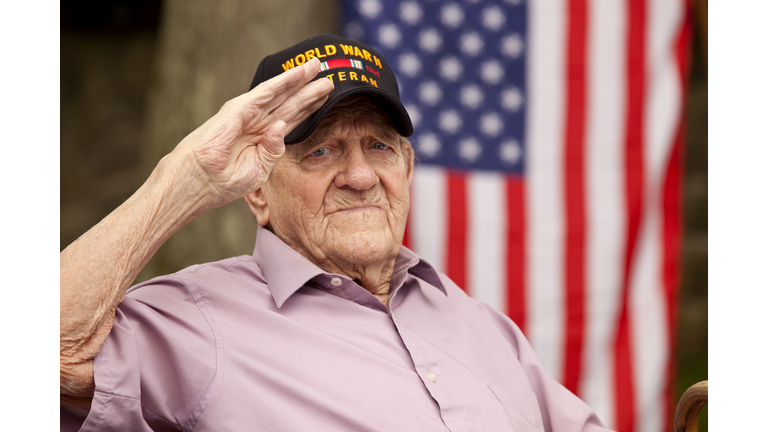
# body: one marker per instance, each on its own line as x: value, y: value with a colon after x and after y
x: 522, y: 407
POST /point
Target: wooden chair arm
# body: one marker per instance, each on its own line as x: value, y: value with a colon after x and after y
x: 689, y: 407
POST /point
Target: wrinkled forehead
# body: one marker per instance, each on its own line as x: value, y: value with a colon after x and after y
x: 359, y: 114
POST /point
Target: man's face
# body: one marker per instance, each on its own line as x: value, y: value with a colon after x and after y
x: 341, y: 197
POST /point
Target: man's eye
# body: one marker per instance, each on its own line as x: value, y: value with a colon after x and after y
x: 380, y: 146
x: 321, y: 152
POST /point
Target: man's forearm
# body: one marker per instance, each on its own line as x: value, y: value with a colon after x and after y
x: 98, y: 268
x: 229, y: 156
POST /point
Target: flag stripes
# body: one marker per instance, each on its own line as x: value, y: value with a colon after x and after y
x: 579, y: 243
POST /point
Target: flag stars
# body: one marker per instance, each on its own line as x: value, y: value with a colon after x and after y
x: 428, y: 145
x: 430, y: 40
x: 389, y: 35
x: 491, y: 72
x: 493, y: 18
x: 512, y: 45
x: 410, y: 64
x: 471, y: 43
x: 470, y: 149
x: 511, y: 99
x: 471, y: 96
x: 354, y: 30
x: 410, y: 12
x: 451, y: 15
x: 450, y: 121
x: 491, y: 124
x: 450, y: 68
x: 370, y: 8
x: 510, y: 152
x: 430, y: 93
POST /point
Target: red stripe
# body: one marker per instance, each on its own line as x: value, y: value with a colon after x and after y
x: 672, y: 205
x: 516, y: 251
x: 634, y: 167
x: 575, y: 226
x: 337, y: 63
x: 456, y: 254
x: 407, y: 233
x: 407, y: 241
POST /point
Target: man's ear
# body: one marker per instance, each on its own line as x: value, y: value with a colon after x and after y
x: 257, y: 202
x: 410, y: 158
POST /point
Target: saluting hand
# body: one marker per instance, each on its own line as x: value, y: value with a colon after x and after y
x: 233, y: 153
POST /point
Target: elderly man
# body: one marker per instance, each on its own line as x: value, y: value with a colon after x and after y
x: 331, y: 324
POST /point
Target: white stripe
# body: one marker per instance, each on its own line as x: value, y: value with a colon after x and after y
x: 544, y: 288
x: 648, y: 308
x: 428, y: 215
x: 487, y: 239
x: 648, y: 331
x: 605, y: 204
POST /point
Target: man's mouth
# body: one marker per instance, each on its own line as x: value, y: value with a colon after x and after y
x: 361, y: 208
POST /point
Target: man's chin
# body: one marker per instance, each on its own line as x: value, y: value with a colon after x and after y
x: 365, y: 247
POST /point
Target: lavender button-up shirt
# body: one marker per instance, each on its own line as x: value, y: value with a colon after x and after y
x: 270, y: 342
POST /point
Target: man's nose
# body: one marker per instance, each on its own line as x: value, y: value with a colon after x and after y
x: 356, y: 171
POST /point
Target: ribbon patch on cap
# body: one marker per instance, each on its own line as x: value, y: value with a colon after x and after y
x: 338, y: 63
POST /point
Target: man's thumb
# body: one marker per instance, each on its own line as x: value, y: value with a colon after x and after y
x: 272, y: 145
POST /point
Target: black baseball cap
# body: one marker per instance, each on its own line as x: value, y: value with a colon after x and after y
x: 354, y: 68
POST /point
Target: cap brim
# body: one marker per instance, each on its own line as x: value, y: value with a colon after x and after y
x: 396, y: 111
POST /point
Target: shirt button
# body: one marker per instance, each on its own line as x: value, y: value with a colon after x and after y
x: 336, y: 281
x: 431, y: 376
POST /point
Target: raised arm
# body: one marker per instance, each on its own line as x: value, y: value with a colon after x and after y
x: 229, y: 156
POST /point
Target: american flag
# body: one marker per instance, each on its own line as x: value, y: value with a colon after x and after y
x: 549, y: 140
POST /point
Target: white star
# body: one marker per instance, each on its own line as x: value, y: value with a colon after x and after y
x: 491, y: 124
x: 413, y: 113
x: 469, y: 149
x: 428, y: 145
x: 410, y: 12
x: 450, y: 121
x: 430, y: 40
x: 491, y: 72
x: 471, y: 43
x: 451, y: 15
x: 354, y: 30
x: 493, y: 18
x: 450, y: 68
x: 471, y: 96
x: 370, y: 8
x: 430, y: 93
x: 410, y: 64
x: 510, y: 152
x: 512, y: 45
x: 511, y: 99
x: 389, y: 35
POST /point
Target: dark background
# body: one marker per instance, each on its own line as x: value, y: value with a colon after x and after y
x: 120, y: 114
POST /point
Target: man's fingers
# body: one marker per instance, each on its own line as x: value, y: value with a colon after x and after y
x: 304, y: 102
x: 273, y: 92
x: 295, y: 118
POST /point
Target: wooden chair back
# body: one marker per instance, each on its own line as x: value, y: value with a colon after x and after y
x: 689, y: 407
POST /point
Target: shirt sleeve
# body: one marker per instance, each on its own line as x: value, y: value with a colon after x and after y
x: 158, y: 367
x: 561, y: 410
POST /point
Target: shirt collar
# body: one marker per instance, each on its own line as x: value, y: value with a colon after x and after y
x: 408, y: 260
x: 285, y: 270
